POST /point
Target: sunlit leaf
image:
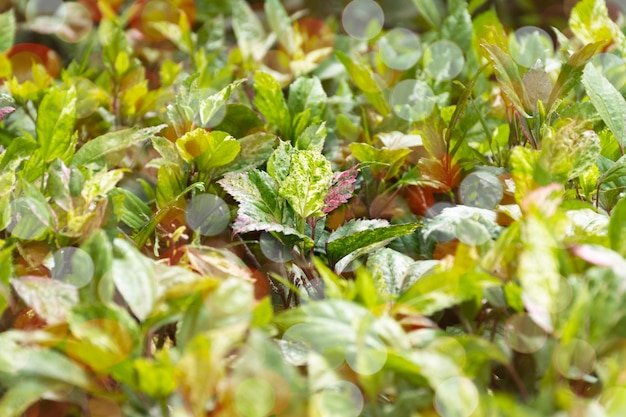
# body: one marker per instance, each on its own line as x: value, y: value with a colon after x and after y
x: 55, y: 124
x: 307, y: 183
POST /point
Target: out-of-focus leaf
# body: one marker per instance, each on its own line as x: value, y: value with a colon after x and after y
x: 488, y: 30
x: 457, y: 26
x: 307, y: 183
x: 617, y: 227
x: 307, y: 94
x: 271, y: 103
x: 251, y: 36
x: 16, y: 400
x: 591, y: 23
x: 22, y: 359
x: 55, y: 124
x: 49, y: 298
x: 210, y: 106
x: 280, y: 23
x: 155, y: 376
x: 102, y: 337
x: 111, y: 143
x: 364, y: 78
x: 609, y: 102
x: 571, y: 71
x: 133, y: 275
x: 569, y: 152
x: 384, y: 163
x: 444, y: 226
x: 239, y: 121
x: 7, y: 35
x: 509, y: 77
x: 430, y: 12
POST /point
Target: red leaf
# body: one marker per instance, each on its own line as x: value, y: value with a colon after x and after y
x: 341, y: 189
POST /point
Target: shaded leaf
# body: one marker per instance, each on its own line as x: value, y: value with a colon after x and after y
x: 609, y: 102
x: 112, y: 142
x: 617, y: 228
x: 7, y: 34
x: 271, y: 103
x: 50, y: 299
x: 133, y: 275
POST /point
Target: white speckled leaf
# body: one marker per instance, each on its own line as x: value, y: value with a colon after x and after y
x: 307, y: 184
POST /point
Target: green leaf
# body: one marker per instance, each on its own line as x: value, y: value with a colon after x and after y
x: 251, y: 37
x: 280, y: 23
x: 307, y: 183
x: 7, y: 35
x: 22, y: 359
x: 49, y: 298
x: 135, y: 212
x: 55, y: 124
x: 617, y: 228
x: 440, y: 290
x: 457, y: 27
x: 255, y: 151
x: 102, y: 337
x: 365, y: 79
x: 312, y: 138
x: 591, y: 23
x: 133, y: 275
x: 569, y: 152
x: 571, y: 72
x: 222, y: 150
x: 16, y: 400
x: 260, y: 207
x: 112, y: 143
x: 170, y: 185
x: 279, y: 163
x: 209, y: 107
x: 359, y: 237
x: 384, y: 163
x: 609, y: 102
x: 239, y: 120
x: 429, y: 11
x: 389, y: 268
x: 509, y: 77
x: 271, y: 103
x: 307, y: 94
x: 616, y: 170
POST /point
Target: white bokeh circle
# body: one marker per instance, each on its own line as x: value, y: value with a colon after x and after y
x: 400, y: 49
x: 363, y: 19
x: 412, y: 100
x: 443, y: 60
x: 207, y: 214
x: 456, y: 397
x: 340, y: 398
x: 530, y: 44
x: 481, y: 189
x: 73, y: 266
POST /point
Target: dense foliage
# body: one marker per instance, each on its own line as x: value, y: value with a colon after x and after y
x: 216, y: 209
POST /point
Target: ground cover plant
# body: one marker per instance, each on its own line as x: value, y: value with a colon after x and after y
x: 230, y: 208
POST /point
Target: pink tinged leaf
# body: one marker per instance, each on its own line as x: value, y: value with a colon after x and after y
x: 5, y: 111
x: 341, y: 189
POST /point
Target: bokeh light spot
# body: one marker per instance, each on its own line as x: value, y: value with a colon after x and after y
x: 443, y: 60
x: 73, y: 266
x: 363, y: 19
x: 207, y: 214
x: 412, y: 100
